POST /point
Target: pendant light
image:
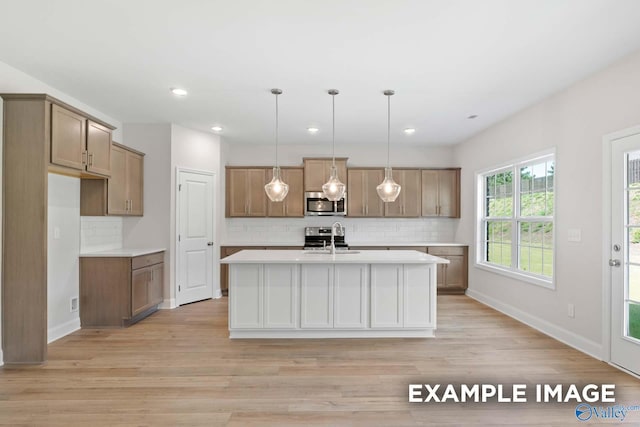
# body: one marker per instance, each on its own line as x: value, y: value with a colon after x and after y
x: 276, y: 189
x: 333, y: 189
x: 388, y: 190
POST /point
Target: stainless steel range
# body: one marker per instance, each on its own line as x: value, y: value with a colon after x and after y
x: 320, y: 238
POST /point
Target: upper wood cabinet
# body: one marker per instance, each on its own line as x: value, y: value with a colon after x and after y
x: 408, y: 202
x: 441, y: 193
x: 120, y: 195
x: 245, y: 194
x: 317, y: 171
x: 363, y: 200
x: 293, y: 204
x: 79, y: 143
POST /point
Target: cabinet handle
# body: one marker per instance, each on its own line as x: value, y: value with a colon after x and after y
x: 130, y: 205
x: 84, y: 157
x: 126, y: 206
x: 366, y: 210
x: 90, y: 159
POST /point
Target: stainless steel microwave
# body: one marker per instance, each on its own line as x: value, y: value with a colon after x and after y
x: 316, y: 203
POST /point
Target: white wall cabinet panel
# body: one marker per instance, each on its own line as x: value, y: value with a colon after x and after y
x: 419, y: 307
x: 350, y: 295
x: 316, y: 292
x: 281, y: 296
x: 246, y: 283
x: 386, y: 296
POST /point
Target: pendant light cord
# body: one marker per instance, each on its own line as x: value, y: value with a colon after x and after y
x: 388, y: 128
x: 333, y: 130
x: 276, y: 130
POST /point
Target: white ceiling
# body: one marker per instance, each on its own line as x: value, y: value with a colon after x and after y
x: 446, y: 60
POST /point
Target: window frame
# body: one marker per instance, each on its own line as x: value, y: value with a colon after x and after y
x: 516, y: 219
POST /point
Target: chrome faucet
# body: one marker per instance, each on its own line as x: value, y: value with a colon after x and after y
x: 333, y: 235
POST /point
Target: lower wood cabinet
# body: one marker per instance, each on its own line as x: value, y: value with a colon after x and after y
x: 452, y: 277
x: 119, y: 291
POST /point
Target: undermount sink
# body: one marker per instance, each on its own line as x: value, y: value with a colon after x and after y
x: 338, y: 252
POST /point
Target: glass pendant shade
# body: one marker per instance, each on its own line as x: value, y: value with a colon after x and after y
x: 334, y: 189
x: 388, y: 190
x: 276, y: 189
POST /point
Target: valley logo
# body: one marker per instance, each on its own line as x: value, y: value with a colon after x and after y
x: 585, y: 412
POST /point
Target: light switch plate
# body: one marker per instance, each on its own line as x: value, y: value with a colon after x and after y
x: 56, y: 233
x: 574, y: 235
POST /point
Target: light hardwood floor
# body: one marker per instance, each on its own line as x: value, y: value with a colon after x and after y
x: 178, y: 367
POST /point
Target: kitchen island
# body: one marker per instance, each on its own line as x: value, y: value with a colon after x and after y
x: 350, y: 294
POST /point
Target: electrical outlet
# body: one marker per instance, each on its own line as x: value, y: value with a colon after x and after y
x: 571, y: 310
x: 56, y: 233
x: 574, y: 235
x: 74, y: 304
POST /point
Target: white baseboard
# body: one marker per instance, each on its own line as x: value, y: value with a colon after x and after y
x: 218, y: 294
x: 569, y: 338
x: 1, y: 358
x: 168, y: 304
x: 62, y: 330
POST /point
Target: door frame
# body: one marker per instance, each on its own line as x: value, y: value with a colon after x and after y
x: 607, y: 242
x: 216, y: 292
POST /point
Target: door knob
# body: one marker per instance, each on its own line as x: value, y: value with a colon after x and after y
x: 614, y: 262
x: 209, y: 243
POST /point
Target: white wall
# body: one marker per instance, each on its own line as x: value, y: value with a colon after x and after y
x: 63, y: 247
x: 358, y: 230
x: 574, y: 121
x: 200, y: 151
x: 152, y: 229
x: 13, y: 80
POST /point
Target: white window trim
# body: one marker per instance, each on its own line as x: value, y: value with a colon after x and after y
x: 513, y: 272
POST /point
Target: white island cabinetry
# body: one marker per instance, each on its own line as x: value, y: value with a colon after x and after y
x: 292, y: 294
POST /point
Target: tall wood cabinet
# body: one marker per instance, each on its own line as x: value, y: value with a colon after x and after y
x: 441, y: 193
x: 119, y: 291
x: 123, y: 193
x: 317, y: 171
x: 31, y: 148
x: 363, y: 198
x: 408, y: 203
x: 293, y: 204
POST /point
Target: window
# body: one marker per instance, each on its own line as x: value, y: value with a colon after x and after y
x: 516, y: 217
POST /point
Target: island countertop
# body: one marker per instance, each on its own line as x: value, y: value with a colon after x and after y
x: 341, y: 257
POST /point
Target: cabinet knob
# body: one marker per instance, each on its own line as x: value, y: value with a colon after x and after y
x: 209, y: 243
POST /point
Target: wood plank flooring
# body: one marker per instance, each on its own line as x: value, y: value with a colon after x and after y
x: 178, y: 368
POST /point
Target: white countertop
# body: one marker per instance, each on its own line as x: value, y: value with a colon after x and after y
x: 122, y: 252
x: 313, y: 257
x: 371, y: 244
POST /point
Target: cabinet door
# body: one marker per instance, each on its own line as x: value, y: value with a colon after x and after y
x: 316, y: 296
x: 315, y: 174
x: 419, y: 296
x: 140, y: 290
x: 456, y: 277
x: 98, y: 149
x: 408, y: 202
x: 356, y: 191
x: 135, y: 183
x: 257, y: 196
x: 449, y: 193
x: 386, y: 296
x: 350, y: 295
x: 280, y: 296
x: 117, y: 184
x: 374, y: 204
x: 245, y: 296
x: 68, y: 138
x: 429, y: 193
x: 236, y: 193
x: 156, y: 285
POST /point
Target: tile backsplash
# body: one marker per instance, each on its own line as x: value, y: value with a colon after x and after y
x: 358, y: 230
x: 99, y: 233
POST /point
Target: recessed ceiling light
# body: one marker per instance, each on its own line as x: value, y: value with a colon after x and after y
x: 409, y: 131
x: 178, y: 92
x: 473, y: 116
x: 216, y: 128
x: 313, y: 129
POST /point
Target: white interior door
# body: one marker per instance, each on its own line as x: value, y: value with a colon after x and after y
x: 625, y: 253
x: 195, y: 237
